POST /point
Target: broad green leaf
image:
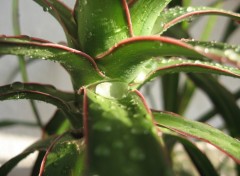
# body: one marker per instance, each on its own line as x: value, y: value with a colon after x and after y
x: 81, y: 67
x: 64, y: 16
x: 201, y: 131
x: 144, y: 14
x: 101, y: 24
x: 170, y: 90
x: 126, y: 60
x: 65, y: 157
x: 199, y: 159
x: 41, y: 145
x: 176, y: 15
x: 121, y: 130
x: 223, y: 100
x: 43, y: 93
x: 7, y: 123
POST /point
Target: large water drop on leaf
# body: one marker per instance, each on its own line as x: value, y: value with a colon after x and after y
x: 112, y: 90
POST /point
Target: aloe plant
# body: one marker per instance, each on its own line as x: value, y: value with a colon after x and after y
x: 104, y: 126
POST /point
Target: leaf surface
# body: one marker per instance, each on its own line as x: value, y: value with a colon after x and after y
x: 64, y: 16
x: 82, y: 68
x: 43, y: 93
x: 176, y: 15
x: 201, y: 131
x: 101, y: 24
x: 125, y: 60
x: 121, y: 130
x: 144, y: 15
x: 65, y: 156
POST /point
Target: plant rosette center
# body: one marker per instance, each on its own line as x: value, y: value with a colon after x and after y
x: 111, y: 89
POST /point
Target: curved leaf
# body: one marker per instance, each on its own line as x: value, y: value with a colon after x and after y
x: 223, y: 100
x: 223, y: 53
x: 6, y: 123
x: 41, y: 145
x: 161, y: 66
x: 124, y: 60
x: 82, y: 68
x: 101, y: 24
x: 64, y: 16
x: 200, y: 160
x: 66, y: 154
x: 201, y: 131
x: 121, y: 130
x: 144, y: 14
x: 176, y: 15
x: 47, y: 94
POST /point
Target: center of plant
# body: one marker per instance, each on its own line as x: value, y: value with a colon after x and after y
x: 112, y: 90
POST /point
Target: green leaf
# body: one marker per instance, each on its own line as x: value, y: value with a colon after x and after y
x: 170, y: 92
x: 176, y: 15
x: 201, y: 131
x: 65, y: 157
x: 223, y: 52
x: 64, y: 16
x: 176, y: 65
x: 41, y: 145
x: 231, y: 27
x: 223, y: 100
x: 82, y: 68
x: 7, y: 123
x: 101, y: 24
x: 58, y: 124
x: 199, y: 159
x: 144, y: 14
x: 43, y: 93
x: 121, y: 130
x: 126, y: 60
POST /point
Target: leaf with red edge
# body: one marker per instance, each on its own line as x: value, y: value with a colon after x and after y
x: 45, y: 93
x: 198, y: 157
x: 121, y: 130
x: 176, y: 15
x: 81, y: 67
x: 144, y: 14
x: 101, y: 24
x: 41, y: 145
x: 63, y: 14
x: 160, y: 66
x: 124, y: 60
x: 201, y: 131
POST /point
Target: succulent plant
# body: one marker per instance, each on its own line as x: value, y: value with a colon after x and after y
x: 105, y: 126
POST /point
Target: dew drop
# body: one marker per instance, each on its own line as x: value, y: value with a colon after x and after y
x: 47, y: 9
x: 17, y: 86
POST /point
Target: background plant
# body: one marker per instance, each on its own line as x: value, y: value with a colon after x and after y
x: 128, y: 66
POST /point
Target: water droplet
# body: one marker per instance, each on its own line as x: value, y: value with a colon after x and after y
x: 17, y: 86
x: 47, y: 9
x: 189, y: 9
x: 137, y: 154
x: 112, y: 90
x: 102, y: 151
